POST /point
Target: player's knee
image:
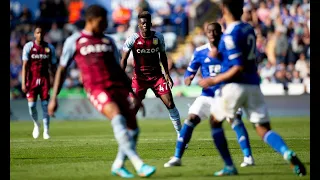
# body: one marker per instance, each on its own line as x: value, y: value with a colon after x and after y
x: 32, y: 105
x: 170, y: 104
x: 110, y: 110
x: 32, y: 108
x: 262, y: 128
x: 192, y: 120
x: 214, y: 122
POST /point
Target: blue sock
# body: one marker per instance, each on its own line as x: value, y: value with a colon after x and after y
x: 242, y: 137
x: 184, y: 138
x: 275, y: 141
x: 221, y: 143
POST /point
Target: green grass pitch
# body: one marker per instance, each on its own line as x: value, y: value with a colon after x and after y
x: 81, y: 150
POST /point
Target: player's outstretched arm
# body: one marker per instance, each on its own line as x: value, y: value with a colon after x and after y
x: 192, y: 69
x: 60, y: 76
x: 164, y: 58
x: 207, y: 82
x: 124, y: 59
x: 69, y: 48
x: 235, y: 59
x: 164, y: 62
x: 126, y: 49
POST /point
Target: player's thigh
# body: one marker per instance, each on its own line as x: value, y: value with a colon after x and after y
x: 160, y: 87
x: 114, y: 102
x: 32, y: 93
x: 139, y: 88
x: 231, y: 97
x: 255, y: 107
x: 121, y: 97
x: 103, y: 102
x: 201, y: 107
x: 45, y: 88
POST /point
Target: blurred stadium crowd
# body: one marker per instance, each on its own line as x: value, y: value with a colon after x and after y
x: 282, y: 28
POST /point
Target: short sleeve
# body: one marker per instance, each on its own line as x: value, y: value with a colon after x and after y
x: 26, y: 51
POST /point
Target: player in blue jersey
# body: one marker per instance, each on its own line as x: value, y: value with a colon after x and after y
x: 241, y: 88
x: 200, y: 109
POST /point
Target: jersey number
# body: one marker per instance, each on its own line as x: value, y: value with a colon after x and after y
x: 214, y: 70
x: 165, y: 86
x: 251, y: 43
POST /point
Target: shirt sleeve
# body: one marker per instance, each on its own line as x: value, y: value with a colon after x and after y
x: 193, y: 65
x: 69, y: 48
x: 128, y: 44
x: 26, y: 51
x: 233, y: 50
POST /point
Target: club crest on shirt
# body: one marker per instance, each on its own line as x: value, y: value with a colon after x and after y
x: 105, y: 40
x: 155, y: 41
x: 83, y: 40
x: 47, y: 50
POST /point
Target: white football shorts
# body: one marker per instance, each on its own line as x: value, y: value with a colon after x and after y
x: 233, y: 96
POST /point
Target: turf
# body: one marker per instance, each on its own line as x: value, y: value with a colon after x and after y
x: 85, y: 150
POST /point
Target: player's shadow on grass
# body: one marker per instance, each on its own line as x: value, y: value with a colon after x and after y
x: 263, y: 173
x: 278, y: 164
x: 232, y: 148
x: 76, y: 157
x: 200, y: 176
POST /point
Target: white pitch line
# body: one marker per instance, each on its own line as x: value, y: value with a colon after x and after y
x: 142, y: 139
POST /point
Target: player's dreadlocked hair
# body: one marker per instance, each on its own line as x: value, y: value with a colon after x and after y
x: 145, y: 14
x: 94, y: 11
x: 235, y: 7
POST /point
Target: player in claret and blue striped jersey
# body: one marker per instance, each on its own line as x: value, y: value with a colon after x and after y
x: 106, y: 85
x: 241, y: 88
x: 39, y: 63
x: 148, y: 49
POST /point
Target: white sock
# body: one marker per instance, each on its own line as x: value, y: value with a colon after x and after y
x: 175, y: 118
x: 125, y: 141
x: 121, y: 156
x: 33, y: 112
x: 46, y: 118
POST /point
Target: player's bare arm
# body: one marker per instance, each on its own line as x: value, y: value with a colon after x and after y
x: 61, y: 72
x: 207, y: 82
x: 24, y: 72
x: 52, y: 71
x: 188, y: 80
x: 164, y: 62
x: 57, y: 85
x: 124, y: 59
